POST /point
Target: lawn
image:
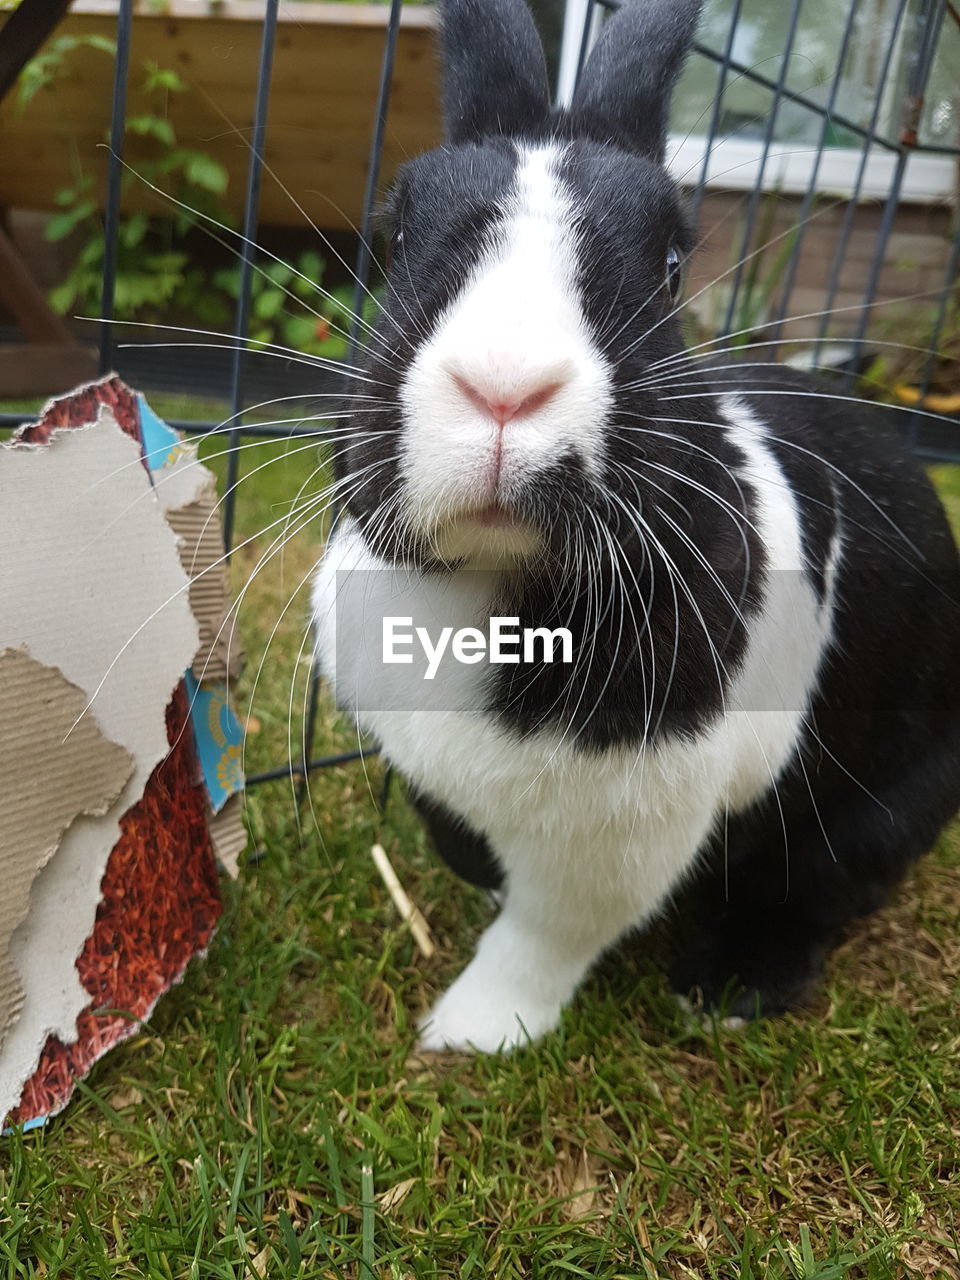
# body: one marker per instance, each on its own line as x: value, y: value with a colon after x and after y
x: 274, y: 1120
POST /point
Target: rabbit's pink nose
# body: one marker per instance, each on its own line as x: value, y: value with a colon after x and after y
x: 506, y: 399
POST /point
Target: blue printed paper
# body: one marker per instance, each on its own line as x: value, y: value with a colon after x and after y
x: 219, y: 738
x: 162, y: 445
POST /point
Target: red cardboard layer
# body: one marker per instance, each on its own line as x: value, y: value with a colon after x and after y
x: 82, y: 406
x: 160, y: 903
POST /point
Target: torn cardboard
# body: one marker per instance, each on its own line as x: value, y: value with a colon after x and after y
x: 159, y: 895
x: 187, y: 492
x: 202, y: 557
x: 160, y: 901
x: 54, y: 743
x: 113, y: 616
x: 229, y: 835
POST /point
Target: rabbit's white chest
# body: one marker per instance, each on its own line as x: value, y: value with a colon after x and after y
x: 618, y: 827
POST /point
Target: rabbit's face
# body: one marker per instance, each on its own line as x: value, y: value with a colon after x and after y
x: 532, y: 276
x: 508, y: 396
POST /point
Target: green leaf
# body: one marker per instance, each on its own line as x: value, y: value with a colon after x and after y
x: 137, y: 289
x: 205, y: 172
x: 184, y: 220
x: 165, y: 263
x: 157, y: 77
x: 134, y: 228
x: 59, y: 225
x: 148, y: 126
x: 269, y: 304
x: 311, y: 264
x: 211, y: 310
x: 61, y: 298
x: 300, y: 332
x: 334, y: 348
x: 42, y: 71
x: 280, y: 273
x: 172, y: 160
x: 310, y: 268
x: 91, y: 255
x: 290, y: 1241
x: 228, y: 279
x: 103, y: 43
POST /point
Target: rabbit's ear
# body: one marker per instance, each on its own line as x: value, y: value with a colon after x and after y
x: 494, y: 73
x: 625, y: 89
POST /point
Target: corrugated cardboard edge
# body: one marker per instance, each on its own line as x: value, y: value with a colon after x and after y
x: 229, y: 835
x: 55, y: 765
x: 188, y: 495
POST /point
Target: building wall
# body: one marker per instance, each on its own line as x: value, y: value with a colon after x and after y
x: 915, y: 262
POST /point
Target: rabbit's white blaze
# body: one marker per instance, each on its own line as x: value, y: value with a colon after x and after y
x: 510, y: 379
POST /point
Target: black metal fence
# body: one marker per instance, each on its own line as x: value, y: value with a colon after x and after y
x: 914, y: 30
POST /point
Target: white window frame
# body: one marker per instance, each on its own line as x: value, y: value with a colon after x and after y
x: 735, y: 162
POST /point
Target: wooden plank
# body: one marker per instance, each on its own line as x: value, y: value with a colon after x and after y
x: 316, y: 13
x: 24, y: 299
x: 44, y: 370
x: 321, y: 109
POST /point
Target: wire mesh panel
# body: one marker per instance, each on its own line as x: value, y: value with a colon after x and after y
x: 818, y: 143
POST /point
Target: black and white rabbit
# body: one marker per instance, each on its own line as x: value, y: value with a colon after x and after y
x: 760, y: 728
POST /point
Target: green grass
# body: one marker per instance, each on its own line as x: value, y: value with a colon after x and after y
x: 274, y: 1120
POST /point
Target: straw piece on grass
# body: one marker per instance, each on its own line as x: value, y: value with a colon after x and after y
x: 411, y: 914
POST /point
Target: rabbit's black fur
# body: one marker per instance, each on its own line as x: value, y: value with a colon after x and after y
x: 762, y: 720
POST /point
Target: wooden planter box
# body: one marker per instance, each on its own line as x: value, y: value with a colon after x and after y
x: 325, y: 77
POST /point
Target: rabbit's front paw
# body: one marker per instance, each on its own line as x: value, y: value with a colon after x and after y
x: 484, y: 1012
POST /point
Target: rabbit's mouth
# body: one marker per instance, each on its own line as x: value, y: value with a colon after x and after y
x: 490, y: 536
x: 494, y: 516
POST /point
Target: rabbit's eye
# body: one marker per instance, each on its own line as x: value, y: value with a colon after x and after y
x: 393, y: 244
x: 674, y: 271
